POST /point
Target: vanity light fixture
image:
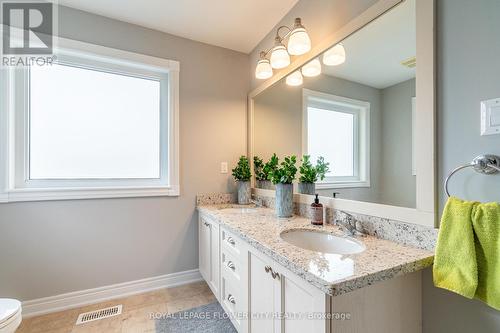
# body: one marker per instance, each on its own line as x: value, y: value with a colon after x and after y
x: 263, y: 69
x: 334, y: 56
x: 298, y: 44
x: 312, y: 68
x: 294, y: 79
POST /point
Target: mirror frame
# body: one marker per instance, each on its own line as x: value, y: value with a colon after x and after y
x: 425, y: 134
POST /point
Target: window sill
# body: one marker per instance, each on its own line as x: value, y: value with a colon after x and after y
x: 44, y: 194
x: 354, y: 184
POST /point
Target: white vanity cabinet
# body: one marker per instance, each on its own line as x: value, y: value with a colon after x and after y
x: 208, y: 232
x: 262, y: 296
x: 249, y: 284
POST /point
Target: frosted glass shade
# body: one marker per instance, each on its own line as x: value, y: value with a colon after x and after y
x: 279, y: 57
x: 263, y: 69
x: 299, y: 42
x: 294, y: 79
x: 334, y: 56
x: 312, y: 68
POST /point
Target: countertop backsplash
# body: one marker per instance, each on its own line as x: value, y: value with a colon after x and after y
x: 215, y: 199
x: 401, y: 232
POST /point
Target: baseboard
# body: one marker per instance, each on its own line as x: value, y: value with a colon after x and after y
x: 90, y: 296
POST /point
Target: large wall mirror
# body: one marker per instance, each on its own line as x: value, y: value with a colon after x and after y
x: 363, y: 114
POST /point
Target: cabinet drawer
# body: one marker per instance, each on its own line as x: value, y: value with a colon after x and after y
x: 231, y: 266
x: 231, y: 243
x: 232, y: 299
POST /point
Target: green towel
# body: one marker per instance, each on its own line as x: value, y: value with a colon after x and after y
x: 467, y: 259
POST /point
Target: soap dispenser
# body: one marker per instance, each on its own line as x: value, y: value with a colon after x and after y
x: 317, y: 212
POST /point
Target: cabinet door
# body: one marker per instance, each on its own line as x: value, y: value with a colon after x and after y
x: 300, y: 301
x: 214, y: 280
x: 285, y: 302
x: 262, y: 294
x: 204, y: 248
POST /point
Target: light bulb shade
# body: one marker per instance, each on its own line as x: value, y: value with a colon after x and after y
x: 294, y: 79
x: 334, y: 56
x: 299, y: 42
x: 279, y: 57
x: 263, y: 69
x: 312, y: 68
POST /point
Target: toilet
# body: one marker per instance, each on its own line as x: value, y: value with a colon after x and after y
x: 10, y: 315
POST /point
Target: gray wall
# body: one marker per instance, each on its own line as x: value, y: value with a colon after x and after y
x: 468, y: 72
x: 53, y: 247
x: 398, y: 185
x: 278, y: 125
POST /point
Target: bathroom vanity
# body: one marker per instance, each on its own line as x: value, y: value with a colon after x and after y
x: 266, y: 284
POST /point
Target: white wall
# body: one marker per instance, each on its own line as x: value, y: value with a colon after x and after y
x: 48, y: 248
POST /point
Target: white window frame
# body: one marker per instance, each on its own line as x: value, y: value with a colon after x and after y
x: 15, y: 184
x: 361, y: 112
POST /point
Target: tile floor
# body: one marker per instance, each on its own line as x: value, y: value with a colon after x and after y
x: 135, y: 315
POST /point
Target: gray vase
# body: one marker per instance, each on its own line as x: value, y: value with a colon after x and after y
x: 307, y: 188
x: 284, y: 200
x: 265, y: 184
x: 244, y: 192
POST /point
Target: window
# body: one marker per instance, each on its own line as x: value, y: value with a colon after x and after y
x: 337, y: 128
x: 97, y: 123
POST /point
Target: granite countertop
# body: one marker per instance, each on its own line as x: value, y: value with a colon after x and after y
x: 334, y: 274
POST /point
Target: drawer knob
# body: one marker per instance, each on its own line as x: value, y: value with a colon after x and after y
x: 231, y: 265
x: 231, y: 299
x: 231, y: 241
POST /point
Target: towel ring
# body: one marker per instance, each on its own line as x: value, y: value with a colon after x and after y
x: 485, y: 164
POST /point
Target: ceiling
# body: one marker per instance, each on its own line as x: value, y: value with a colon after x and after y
x: 374, y: 54
x: 238, y: 25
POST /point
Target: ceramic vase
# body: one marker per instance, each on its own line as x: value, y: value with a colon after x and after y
x: 244, y: 192
x: 284, y: 200
x: 307, y: 188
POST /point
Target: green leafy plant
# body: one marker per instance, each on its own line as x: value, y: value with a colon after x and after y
x: 285, y: 172
x: 242, y: 170
x: 258, y: 165
x: 270, y: 166
x: 310, y: 173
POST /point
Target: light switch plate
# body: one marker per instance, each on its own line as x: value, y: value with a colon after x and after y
x: 490, y: 117
x: 223, y: 167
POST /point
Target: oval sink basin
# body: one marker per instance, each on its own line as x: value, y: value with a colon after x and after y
x: 236, y: 210
x: 322, y: 242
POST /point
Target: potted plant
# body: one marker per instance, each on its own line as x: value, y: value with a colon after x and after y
x: 242, y: 175
x: 283, y: 176
x: 310, y: 174
x: 263, y: 170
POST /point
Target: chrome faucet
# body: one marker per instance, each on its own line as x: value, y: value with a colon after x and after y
x: 349, y: 224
